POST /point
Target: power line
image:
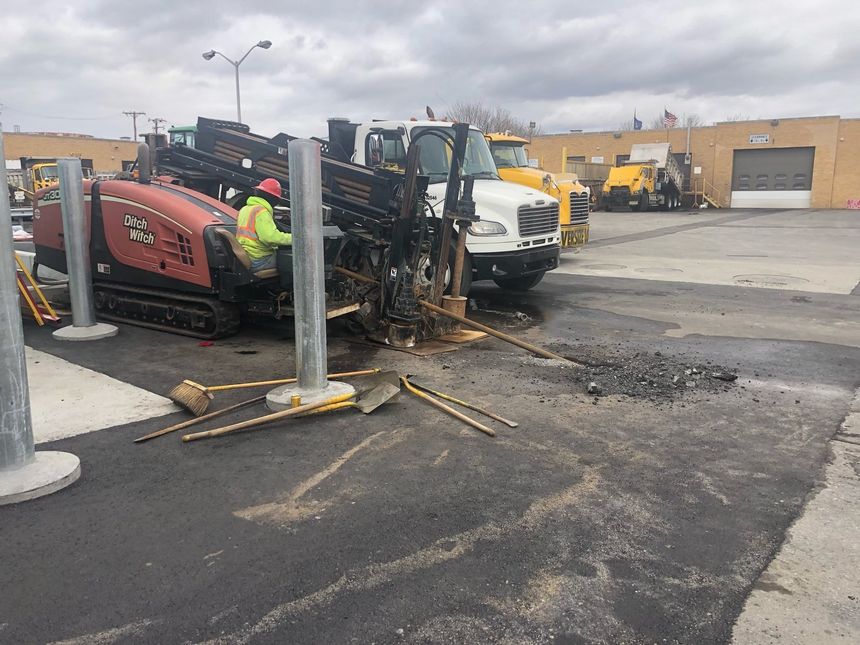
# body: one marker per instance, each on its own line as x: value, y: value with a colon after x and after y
x: 134, y: 114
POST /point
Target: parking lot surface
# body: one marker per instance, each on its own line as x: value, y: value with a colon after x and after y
x: 644, y: 512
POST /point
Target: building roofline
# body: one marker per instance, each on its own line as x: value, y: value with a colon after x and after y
x: 65, y: 135
x: 701, y: 127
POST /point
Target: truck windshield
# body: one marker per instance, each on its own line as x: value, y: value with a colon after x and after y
x: 185, y: 138
x: 48, y: 172
x: 436, y: 156
x: 508, y: 155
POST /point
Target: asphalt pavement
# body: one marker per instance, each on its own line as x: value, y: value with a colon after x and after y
x: 645, y: 513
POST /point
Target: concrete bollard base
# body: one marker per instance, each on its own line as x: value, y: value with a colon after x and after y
x: 281, y: 397
x: 93, y: 332
x: 49, y: 472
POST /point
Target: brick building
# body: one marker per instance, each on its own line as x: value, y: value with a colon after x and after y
x: 107, y: 155
x: 805, y: 162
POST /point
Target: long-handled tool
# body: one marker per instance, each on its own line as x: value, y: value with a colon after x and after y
x: 371, y: 392
x: 470, y: 323
x: 447, y: 408
x: 492, y: 332
x: 195, y: 397
x: 196, y: 420
x: 466, y: 404
x: 268, y: 418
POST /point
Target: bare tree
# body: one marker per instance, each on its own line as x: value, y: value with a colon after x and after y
x: 693, y: 120
x: 656, y: 123
x: 490, y: 118
x: 737, y: 116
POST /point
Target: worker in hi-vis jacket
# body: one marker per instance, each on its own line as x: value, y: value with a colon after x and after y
x: 256, y: 229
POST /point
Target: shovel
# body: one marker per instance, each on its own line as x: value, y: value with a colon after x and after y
x: 372, y: 394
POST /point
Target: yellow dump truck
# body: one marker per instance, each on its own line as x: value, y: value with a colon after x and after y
x: 650, y: 178
x: 35, y: 173
x: 512, y: 163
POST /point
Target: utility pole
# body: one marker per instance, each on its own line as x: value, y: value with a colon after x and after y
x: 134, y: 114
x: 156, y: 124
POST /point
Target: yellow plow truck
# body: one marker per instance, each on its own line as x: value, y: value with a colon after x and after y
x: 512, y: 163
x: 650, y: 178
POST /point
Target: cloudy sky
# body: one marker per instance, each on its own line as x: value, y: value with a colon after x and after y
x: 565, y: 65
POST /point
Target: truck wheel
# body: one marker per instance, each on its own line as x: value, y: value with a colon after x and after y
x: 523, y: 283
x: 643, y: 201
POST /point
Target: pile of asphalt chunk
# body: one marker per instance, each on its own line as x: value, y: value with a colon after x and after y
x: 652, y: 375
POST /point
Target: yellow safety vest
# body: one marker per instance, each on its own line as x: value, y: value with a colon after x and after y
x: 248, y: 230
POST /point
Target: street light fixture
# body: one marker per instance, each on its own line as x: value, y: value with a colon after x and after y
x: 263, y: 44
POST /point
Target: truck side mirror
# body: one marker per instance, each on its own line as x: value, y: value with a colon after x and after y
x: 376, y: 149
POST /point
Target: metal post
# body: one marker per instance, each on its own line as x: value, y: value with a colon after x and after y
x: 24, y: 473
x: 308, y: 281
x: 308, y: 264
x: 84, y: 325
x: 16, y: 433
x: 238, y: 101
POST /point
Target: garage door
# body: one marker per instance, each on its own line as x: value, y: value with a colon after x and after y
x: 772, y: 178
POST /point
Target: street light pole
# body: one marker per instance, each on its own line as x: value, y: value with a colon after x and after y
x: 238, y: 99
x: 263, y: 44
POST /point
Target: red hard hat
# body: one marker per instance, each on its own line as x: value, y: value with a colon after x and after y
x: 271, y: 186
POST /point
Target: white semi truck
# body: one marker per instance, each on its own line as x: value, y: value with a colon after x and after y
x: 517, y: 239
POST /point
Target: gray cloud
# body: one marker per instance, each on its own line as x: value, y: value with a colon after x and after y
x: 565, y: 65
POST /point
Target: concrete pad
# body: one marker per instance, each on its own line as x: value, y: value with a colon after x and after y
x: 68, y: 400
x: 799, y: 250
x: 49, y: 472
x: 281, y: 397
x: 98, y: 331
x: 809, y: 593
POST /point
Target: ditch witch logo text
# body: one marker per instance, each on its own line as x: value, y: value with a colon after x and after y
x: 138, y: 229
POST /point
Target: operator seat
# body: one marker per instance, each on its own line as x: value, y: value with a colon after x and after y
x: 240, y: 256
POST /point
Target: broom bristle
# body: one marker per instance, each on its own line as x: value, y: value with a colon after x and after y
x: 191, y: 396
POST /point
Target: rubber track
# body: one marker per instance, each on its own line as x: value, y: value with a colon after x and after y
x: 226, y: 315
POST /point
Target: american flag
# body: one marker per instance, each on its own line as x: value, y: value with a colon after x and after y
x: 669, y: 119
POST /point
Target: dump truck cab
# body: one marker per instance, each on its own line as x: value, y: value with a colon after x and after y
x: 626, y: 185
x: 509, y: 154
x: 43, y: 175
x: 649, y: 179
x: 517, y: 239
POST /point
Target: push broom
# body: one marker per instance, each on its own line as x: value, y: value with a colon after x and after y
x: 195, y: 397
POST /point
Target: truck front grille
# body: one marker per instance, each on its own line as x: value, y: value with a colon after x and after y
x: 578, y: 208
x: 537, y: 220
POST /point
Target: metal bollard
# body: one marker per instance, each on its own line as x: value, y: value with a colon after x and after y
x: 24, y: 473
x: 308, y: 282
x: 75, y: 234
x: 308, y: 263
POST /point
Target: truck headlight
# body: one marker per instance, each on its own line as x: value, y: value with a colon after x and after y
x: 486, y: 227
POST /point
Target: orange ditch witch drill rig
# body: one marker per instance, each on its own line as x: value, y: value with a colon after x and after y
x: 164, y: 253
